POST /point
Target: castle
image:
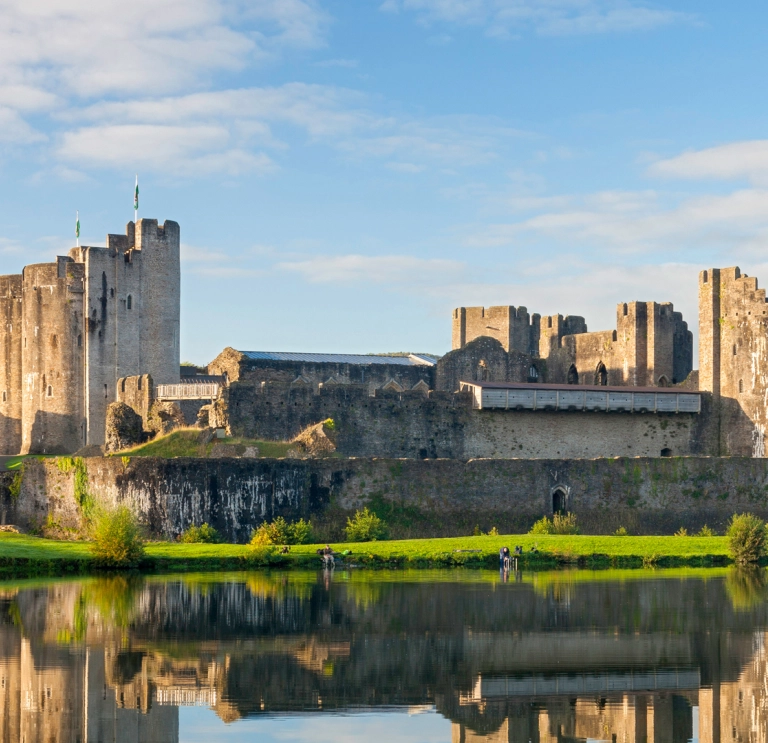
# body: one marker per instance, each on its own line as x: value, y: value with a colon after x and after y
x: 101, y: 325
x: 72, y: 328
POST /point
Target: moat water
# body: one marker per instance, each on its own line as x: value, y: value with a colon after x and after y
x: 421, y: 656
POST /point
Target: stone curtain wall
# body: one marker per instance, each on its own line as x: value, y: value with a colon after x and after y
x: 443, y: 424
x: 436, y: 497
x: 238, y: 367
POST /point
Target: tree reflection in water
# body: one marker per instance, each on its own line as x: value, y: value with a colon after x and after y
x: 625, y: 656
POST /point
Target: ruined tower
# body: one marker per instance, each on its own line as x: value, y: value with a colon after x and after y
x: 72, y: 328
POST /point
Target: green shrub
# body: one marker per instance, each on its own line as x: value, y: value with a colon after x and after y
x: 365, y: 526
x: 681, y: 532
x: 542, y: 526
x: 705, y: 531
x: 117, y: 540
x: 560, y: 523
x: 746, y: 538
x: 330, y: 424
x: 494, y: 532
x: 262, y: 555
x: 621, y: 532
x: 301, y: 532
x: 282, y: 532
x: 204, y: 534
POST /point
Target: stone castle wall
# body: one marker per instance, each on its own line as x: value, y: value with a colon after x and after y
x: 444, y: 424
x: 238, y: 367
x: 72, y: 328
x: 651, y: 345
x: 646, y: 495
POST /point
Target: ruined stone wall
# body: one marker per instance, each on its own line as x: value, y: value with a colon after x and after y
x: 646, y: 495
x: 513, y: 327
x: 238, y: 367
x: 651, y: 347
x: 52, y: 358
x: 484, y: 360
x: 733, y: 352
x: 10, y: 363
x: 443, y: 424
x: 137, y: 393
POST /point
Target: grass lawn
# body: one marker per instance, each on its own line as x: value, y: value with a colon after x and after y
x: 185, y: 443
x: 20, y: 552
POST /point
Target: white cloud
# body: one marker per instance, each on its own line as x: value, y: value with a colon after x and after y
x: 217, y: 131
x: 184, y: 150
x: 14, y: 129
x: 546, y: 17
x: 381, y: 269
x: 143, y: 46
x: 745, y: 160
x: 638, y: 221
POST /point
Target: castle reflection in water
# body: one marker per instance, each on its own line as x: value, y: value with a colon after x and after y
x: 549, y: 657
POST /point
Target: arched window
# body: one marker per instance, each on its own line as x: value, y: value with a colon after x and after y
x: 129, y: 302
x: 559, y: 501
x: 573, y: 375
x: 601, y: 375
x: 533, y: 373
x: 663, y: 381
x: 50, y: 391
x: 624, y: 309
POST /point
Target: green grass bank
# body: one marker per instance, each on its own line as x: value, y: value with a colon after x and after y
x: 23, y: 554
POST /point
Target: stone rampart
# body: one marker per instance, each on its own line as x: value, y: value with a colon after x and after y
x: 434, y: 497
x: 444, y: 425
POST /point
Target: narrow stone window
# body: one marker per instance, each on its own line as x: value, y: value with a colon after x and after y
x: 549, y: 322
x: 573, y: 375
x: 533, y: 374
x: 105, y: 392
x: 559, y: 501
x: 122, y: 385
x: 705, y: 276
x: 741, y: 385
x: 138, y: 385
x: 625, y: 309
x: 54, y: 341
x: 734, y: 349
x: 79, y: 340
x: 601, y: 375
x: 112, y: 292
x: 5, y: 396
x: 50, y: 391
x: 129, y: 302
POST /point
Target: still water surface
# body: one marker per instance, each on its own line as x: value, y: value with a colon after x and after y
x: 425, y: 656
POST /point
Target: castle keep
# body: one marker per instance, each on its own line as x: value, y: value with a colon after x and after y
x: 72, y: 328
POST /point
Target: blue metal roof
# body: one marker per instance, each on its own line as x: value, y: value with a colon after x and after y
x: 340, y: 358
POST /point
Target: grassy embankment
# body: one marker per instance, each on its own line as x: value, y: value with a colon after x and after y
x: 26, y: 554
x: 185, y: 443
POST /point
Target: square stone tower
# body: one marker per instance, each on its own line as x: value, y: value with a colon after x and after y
x: 70, y: 329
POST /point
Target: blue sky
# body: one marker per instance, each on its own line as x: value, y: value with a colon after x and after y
x: 346, y: 173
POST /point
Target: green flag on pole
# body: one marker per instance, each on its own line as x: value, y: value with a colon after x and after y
x: 77, y: 225
x: 136, y: 196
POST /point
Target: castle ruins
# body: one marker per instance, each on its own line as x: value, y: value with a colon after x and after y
x: 72, y: 328
x: 101, y: 326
